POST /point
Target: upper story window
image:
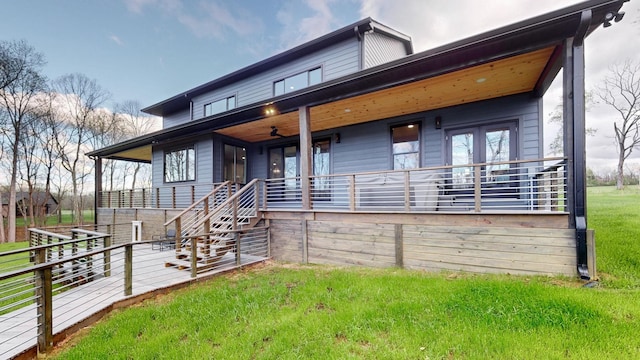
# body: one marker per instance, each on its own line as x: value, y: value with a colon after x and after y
x: 219, y: 106
x: 180, y: 165
x: 298, y: 81
x: 406, y: 146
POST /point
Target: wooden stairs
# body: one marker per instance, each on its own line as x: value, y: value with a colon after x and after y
x: 217, y: 234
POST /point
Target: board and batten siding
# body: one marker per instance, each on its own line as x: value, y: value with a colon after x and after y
x: 474, y: 243
x: 379, y: 49
x: 338, y: 60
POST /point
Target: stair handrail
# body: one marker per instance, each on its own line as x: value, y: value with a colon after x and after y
x: 229, y: 200
x: 192, y: 206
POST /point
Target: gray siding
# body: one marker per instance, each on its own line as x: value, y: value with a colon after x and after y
x: 176, y: 119
x: 379, y: 49
x: 204, y: 161
x: 367, y: 147
x: 336, y: 61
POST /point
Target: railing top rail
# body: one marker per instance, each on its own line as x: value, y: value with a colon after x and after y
x: 57, y: 244
x: 432, y: 168
x: 555, y: 166
x: 88, y: 232
x: 18, y: 272
x: 23, y: 271
x: 216, y: 188
x: 227, y: 202
x: 49, y: 233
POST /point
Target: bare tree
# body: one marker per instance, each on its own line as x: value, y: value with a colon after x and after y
x: 135, y: 123
x: 79, y: 106
x: 621, y: 90
x: 555, y: 117
x: 21, y: 81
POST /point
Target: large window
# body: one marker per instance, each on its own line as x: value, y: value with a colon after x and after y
x: 297, y: 82
x: 406, y: 146
x: 219, y: 106
x: 180, y: 165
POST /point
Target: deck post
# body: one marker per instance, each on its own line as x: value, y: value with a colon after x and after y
x: 194, y: 256
x: 306, y: 169
x: 236, y: 239
x: 399, y: 245
x: 128, y: 269
x: 352, y: 192
x: 407, y: 191
x: 207, y: 222
x: 97, y: 201
x: 305, y: 242
x: 107, y: 255
x: 44, y: 299
x: 477, y: 185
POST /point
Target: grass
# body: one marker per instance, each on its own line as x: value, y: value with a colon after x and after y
x: 615, y: 216
x: 318, y: 312
x: 66, y: 218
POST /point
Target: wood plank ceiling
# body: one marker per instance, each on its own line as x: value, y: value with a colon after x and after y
x: 514, y: 75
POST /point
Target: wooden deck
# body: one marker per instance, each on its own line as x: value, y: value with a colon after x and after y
x: 80, y: 306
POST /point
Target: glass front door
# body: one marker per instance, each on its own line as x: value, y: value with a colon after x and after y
x: 235, y: 164
x: 493, y: 145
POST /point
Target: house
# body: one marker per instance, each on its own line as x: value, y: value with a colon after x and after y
x: 352, y: 149
x: 43, y: 204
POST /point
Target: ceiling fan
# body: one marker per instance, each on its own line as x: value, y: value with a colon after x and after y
x: 274, y: 132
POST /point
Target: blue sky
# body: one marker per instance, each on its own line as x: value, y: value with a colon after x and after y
x: 150, y: 50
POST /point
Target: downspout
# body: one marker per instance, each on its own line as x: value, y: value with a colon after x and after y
x: 575, y: 115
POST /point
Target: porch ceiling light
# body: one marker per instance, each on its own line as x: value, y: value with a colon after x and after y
x: 481, y: 80
x: 270, y: 111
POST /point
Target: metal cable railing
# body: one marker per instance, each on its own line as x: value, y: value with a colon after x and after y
x: 42, y: 296
x: 512, y: 186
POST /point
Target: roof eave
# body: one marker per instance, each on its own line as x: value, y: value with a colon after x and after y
x: 545, y: 30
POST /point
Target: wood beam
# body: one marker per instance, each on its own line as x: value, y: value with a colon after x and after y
x: 306, y: 169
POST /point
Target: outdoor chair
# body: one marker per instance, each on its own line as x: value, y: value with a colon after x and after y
x: 163, y: 242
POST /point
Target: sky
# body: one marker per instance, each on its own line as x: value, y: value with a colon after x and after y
x: 150, y: 50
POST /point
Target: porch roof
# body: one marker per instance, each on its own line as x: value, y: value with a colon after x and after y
x: 520, y: 58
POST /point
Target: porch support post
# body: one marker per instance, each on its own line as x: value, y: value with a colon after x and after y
x: 306, y: 169
x: 574, y: 138
x: 97, y: 199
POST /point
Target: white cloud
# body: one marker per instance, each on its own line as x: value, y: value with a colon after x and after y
x: 297, y: 30
x: 208, y: 19
x: 116, y: 40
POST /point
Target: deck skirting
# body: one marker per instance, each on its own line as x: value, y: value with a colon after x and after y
x: 513, y: 244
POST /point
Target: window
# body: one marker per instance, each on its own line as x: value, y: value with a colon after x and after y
x: 219, y: 106
x: 180, y: 165
x: 235, y: 164
x: 321, y: 166
x: 297, y: 82
x: 406, y: 146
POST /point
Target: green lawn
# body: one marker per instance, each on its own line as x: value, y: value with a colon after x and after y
x: 615, y: 216
x: 280, y: 311
x: 87, y: 216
